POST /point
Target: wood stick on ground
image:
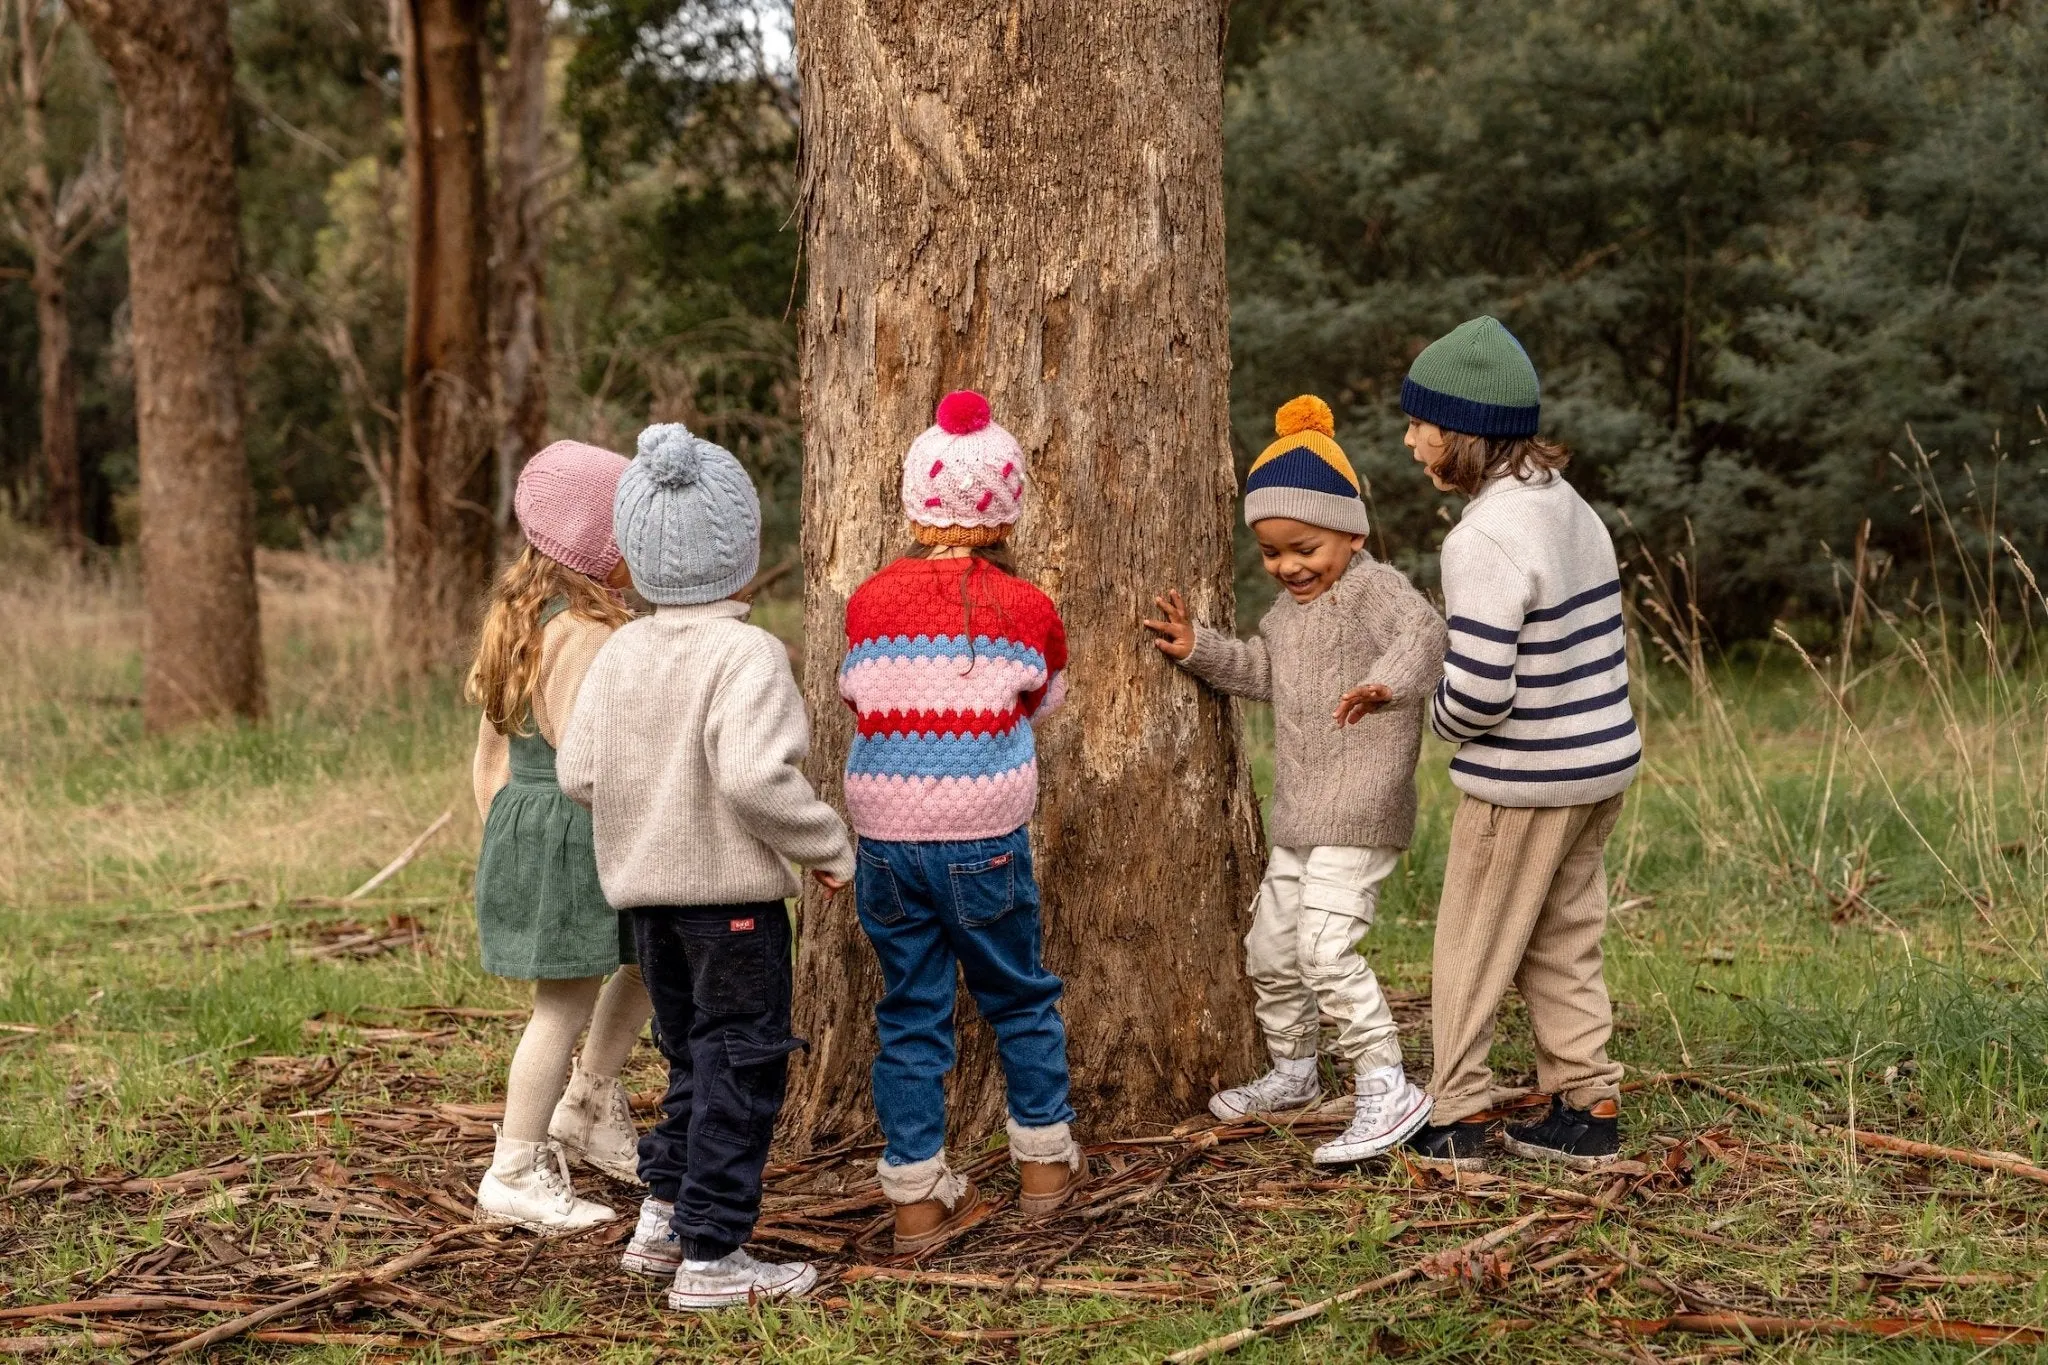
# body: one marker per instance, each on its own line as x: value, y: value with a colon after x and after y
x: 126, y: 1303
x: 1874, y: 1142
x: 1244, y: 1336
x: 397, y: 865
x: 383, y: 1274
x: 1765, y: 1328
x: 1154, y: 1292
x: 62, y: 1341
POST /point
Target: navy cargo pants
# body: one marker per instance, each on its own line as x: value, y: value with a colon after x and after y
x: 719, y: 978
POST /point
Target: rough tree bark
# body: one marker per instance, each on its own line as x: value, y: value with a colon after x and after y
x: 441, y: 536
x: 519, y: 340
x: 1027, y: 199
x: 202, y: 648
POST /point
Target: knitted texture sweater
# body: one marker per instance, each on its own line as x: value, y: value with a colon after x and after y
x: 567, y: 645
x: 1351, y: 787
x: 1535, y: 687
x: 944, y: 693
x: 687, y: 745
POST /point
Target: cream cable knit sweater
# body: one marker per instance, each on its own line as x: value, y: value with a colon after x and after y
x: 1352, y: 787
x: 687, y: 745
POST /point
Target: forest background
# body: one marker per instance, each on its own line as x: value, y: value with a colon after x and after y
x: 1755, y: 247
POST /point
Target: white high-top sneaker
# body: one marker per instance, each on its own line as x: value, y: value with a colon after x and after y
x: 1388, y: 1109
x: 594, y: 1124
x: 528, y: 1186
x: 1283, y: 1088
x: 655, y: 1250
x: 737, y: 1278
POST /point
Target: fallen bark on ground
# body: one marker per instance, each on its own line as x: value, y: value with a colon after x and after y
x: 1768, y: 1328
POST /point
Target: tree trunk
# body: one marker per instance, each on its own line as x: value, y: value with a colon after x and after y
x: 63, y: 508
x: 518, y: 330
x: 202, y: 648
x: 1028, y: 200
x: 441, y: 538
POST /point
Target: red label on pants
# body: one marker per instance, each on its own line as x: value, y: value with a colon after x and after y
x: 742, y: 926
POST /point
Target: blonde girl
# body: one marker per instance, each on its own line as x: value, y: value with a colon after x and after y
x: 541, y: 914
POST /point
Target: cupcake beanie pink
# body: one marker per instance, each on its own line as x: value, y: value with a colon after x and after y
x: 564, y: 503
x: 963, y: 480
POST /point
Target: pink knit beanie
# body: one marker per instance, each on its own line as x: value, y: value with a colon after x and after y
x: 963, y: 481
x: 564, y: 502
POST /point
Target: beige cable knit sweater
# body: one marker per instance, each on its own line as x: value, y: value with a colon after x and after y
x: 687, y: 744
x: 1352, y: 787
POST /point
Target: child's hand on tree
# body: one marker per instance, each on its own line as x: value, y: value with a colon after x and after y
x: 833, y: 885
x: 1361, y: 701
x: 1175, y: 636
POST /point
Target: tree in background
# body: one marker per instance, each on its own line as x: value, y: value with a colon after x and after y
x: 202, y: 649
x: 52, y: 223
x: 442, y: 540
x: 1749, y: 245
x: 1030, y: 203
x: 519, y: 342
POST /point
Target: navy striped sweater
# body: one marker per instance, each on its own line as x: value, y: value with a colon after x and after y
x: 1535, y: 685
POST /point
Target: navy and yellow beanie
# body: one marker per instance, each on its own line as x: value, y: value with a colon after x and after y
x: 1477, y: 380
x: 1304, y: 474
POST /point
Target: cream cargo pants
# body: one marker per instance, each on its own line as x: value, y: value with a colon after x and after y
x: 1314, y: 907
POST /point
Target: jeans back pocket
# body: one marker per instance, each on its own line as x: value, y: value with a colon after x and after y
x: 876, y: 896
x: 984, y: 891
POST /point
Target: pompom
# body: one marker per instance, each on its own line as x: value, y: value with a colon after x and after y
x: 963, y: 411
x: 1306, y: 413
x: 670, y: 456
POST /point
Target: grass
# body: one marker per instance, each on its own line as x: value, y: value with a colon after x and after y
x: 1820, y: 864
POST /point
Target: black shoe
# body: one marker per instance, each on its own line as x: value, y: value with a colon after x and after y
x: 1457, y: 1146
x: 1583, y: 1139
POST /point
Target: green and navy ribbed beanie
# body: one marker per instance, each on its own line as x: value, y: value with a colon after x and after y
x: 1476, y: 380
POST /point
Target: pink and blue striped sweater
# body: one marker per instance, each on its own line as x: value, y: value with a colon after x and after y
x: 945, y: 698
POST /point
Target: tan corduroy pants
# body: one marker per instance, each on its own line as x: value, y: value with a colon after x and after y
x: 1525, y: 901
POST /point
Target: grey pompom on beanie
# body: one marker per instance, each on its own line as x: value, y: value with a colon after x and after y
x: 687, y: 519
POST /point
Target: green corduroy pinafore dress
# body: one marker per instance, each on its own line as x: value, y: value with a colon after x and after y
x: 540, y: 911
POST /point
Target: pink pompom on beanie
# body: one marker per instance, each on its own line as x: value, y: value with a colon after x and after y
x: 564, y: 502
x: 963, y: 480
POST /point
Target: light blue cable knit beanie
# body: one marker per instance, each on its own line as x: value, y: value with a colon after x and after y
x: 687, y: 519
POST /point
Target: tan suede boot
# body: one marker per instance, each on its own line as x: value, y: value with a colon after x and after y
x: 1045, y: 1187
x: 931, y: 1222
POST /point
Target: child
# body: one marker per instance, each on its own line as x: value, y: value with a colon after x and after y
x: 1344, y: 781
x: 949, y: 662
x: 686, y: 748
x: 541, y: 914
x: 1535, y: 695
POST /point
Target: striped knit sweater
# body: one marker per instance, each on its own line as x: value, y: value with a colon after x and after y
x: 943, y: 748
x: 1535, y: 686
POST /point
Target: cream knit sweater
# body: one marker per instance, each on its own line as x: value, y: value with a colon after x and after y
x: 687, y: 744
x: 1351, y: 787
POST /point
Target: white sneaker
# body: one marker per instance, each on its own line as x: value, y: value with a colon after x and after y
x: 1388, y: 1109
x: 655, y: 1250
x: 528, y: 1186
x: 594, y: 1124
x: 1276, y: 1092
x: 737, y: 1278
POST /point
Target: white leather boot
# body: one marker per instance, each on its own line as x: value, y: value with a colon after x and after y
x: 528, y: 1186
x: 594, y: 1124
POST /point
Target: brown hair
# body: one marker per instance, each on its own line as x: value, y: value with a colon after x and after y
x: 997, y: 556
x: 508, y: 651
x: 1470, y: 461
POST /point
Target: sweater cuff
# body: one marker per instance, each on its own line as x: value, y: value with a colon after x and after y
x: 1207, y: 656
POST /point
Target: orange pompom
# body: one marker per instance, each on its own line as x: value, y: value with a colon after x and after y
x: 1306, y: 413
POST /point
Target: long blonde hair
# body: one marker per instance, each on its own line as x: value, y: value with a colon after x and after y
x: 508, y: 653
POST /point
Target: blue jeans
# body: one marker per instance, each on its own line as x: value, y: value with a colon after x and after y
x: 926, y: 907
